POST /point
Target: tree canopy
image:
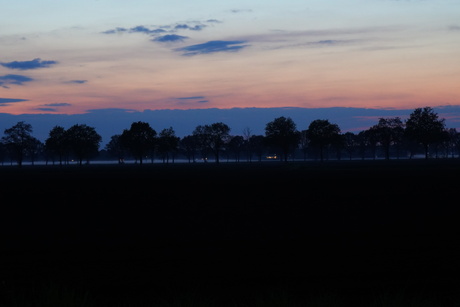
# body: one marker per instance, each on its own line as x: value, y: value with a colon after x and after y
x: 282, y: 134
x: 322, y: 133
x: 423, y: 131
x: 83, y: 141
x: 18, y: 139
x: 425, y: 127
x: 213, y: 137
x: 139, y: 139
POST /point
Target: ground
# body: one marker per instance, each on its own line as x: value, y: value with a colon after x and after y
x: 230, y: 232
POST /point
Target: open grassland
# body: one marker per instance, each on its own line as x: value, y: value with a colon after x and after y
x: 333, y: 233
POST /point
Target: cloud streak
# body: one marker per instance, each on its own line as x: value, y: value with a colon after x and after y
x: 212, y: 47
x: 155, y: 30
x: 53, y: 107
x: 7, y: 101
x: 194, y: 99
x: 197, y: 27
x: 170, y: 38
x: 191, y: 98
x: 26, y: 65
x: 78, y: 81
x: 7, y: 80
x: 58, y: 104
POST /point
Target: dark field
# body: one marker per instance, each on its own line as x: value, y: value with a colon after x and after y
x: 338, y: 233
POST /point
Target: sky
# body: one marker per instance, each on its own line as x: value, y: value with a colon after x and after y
x: 80, y: 57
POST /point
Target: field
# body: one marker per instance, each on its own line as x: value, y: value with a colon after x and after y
x: 332, y: 233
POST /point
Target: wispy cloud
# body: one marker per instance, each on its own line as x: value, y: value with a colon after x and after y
x: 26, y: 65
x: 136, y: 29
x: 197, y: 27
x: 7, y: 101
x: 170, y: 38
x: 7, y: 80
x: 212, y: 47
x: 78, y: 81
x: 46, y: 109
x: 141, y: 29
x: 327, y: 42
x: 58, y: 104
x: 321, y: 36
x: 194, y: 99
x: 238, y: 11
x: 53, y: 107
x: 158, y: 30
x: 191, y: 98
x: 116, y: 30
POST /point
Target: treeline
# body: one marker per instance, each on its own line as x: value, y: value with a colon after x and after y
x: 423, y: 133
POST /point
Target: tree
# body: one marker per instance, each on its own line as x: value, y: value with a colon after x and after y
x: 304, y: 143
x: 115, y: 148
x: 371, y: 141
x: 454, y: 141
x: 168, y: 143
x: 34, y: 149
x: 213, y: 137
x: 350, y: 142
x: 189, y: 145
x: 83, y: 141
x: 338, y: 143
x: 425, y: 127
x: 247, y: 133
x: 282, y: 134
x: 18, y: 139
x: 363, y: 141
x: 236, y: 145
x: 257, y: 146
x: 139, y: 139
x: 388, y: 131
x: 322, y: 133
x: 56, y: 142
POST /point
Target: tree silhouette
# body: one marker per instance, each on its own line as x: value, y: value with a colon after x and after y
x: 424, y: 127
x: 454, y: 141
x: 350, y: 143
x: 235, y: 146
x: 247, y: 133
x: 115, y: 148
x: 139, y: 139
x: 189, y: 145
x: 389, y: 131
x: 281, y: 133
x: 18, y: 140
x: 83, y: 141
x: 304, y: 143
x: 322, y: 133
x: 168, y: 143
x: 57, y: 143
x: 34, y: 149
x: 213, y: 137
x: 257, y: 146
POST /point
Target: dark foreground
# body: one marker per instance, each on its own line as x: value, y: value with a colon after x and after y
x: 361, y: 233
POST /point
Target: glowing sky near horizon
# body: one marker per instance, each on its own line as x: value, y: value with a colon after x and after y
x: 72, y: 56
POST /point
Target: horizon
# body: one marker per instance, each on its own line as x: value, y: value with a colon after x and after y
x: 64, y: 58
x: 238, y: 119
